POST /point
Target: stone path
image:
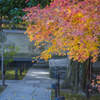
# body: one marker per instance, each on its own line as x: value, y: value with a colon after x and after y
x: 34, y: 86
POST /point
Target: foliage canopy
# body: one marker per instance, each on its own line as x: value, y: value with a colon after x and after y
x: 72, y: 25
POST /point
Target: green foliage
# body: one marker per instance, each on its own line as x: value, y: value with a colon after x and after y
x: 8, y: 55
x: 7, y: 61
x: 2, y: 88
x: 12, y: 9
x: 70, y: 96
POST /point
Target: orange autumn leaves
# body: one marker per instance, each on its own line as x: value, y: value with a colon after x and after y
x: 80, y: 48
x: 66, y: 26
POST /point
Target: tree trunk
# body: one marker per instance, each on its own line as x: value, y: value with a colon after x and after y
x: 67, y: 82
x: 76, y: 76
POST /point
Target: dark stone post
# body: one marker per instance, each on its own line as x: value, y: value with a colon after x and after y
x: 16, y: 74
x: 21, y: 71
x: 22, y: 68
x: 62, y: 98
x: 56, y: 90
x: 57, y: 98
x: 53, y: 86
x: 4, y: 71
x: 3, y: 80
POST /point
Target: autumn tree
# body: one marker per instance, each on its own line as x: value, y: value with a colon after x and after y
x: 68, y: 25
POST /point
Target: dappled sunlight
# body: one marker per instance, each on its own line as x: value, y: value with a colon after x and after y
x: 38, y: 74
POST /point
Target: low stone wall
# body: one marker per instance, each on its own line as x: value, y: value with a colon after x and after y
x: 41, y: 64
x: 57, y: 66
x: 96, y: 67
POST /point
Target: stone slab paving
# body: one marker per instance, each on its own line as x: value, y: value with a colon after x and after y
x: 34, y: 86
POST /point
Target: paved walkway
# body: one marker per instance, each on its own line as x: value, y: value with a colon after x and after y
x: 34, y: 86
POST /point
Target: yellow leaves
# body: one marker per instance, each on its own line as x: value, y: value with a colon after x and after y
x: 80, y: 15
x: 94, y: 59
x: 72, y: 29
x: 45, y: 56
x: 39, y: 22
x: 64, y: 10
x: 63, y: 54
x: 54, y: 41
x: 56, y: 9
x: 33, y: 57
x: 43, y: 44
x: 25, y: 32
x: 98, y: 82
x: 36, y: 43
x: 69, y: 11
x: 32, y: 61
x: 50, y: 22
x: 3, y: 25
x: 80, y: 48
x: 38, y: 47
x: 60, y: 54
x: 14, y: 93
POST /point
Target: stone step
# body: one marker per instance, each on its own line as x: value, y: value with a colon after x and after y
x: 96, y: 67
x: 40, y: 65
x: 42, y: 62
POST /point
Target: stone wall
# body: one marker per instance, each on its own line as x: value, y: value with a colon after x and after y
x: 17, y: 38
x: 96, y: 67
x: 58, y: 66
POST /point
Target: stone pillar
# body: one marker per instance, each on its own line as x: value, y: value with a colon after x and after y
x: 58, y: 66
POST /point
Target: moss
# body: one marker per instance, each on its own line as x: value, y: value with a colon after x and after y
x: 10, y: 74
x: 70, y: 96
x: 2, y: 88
